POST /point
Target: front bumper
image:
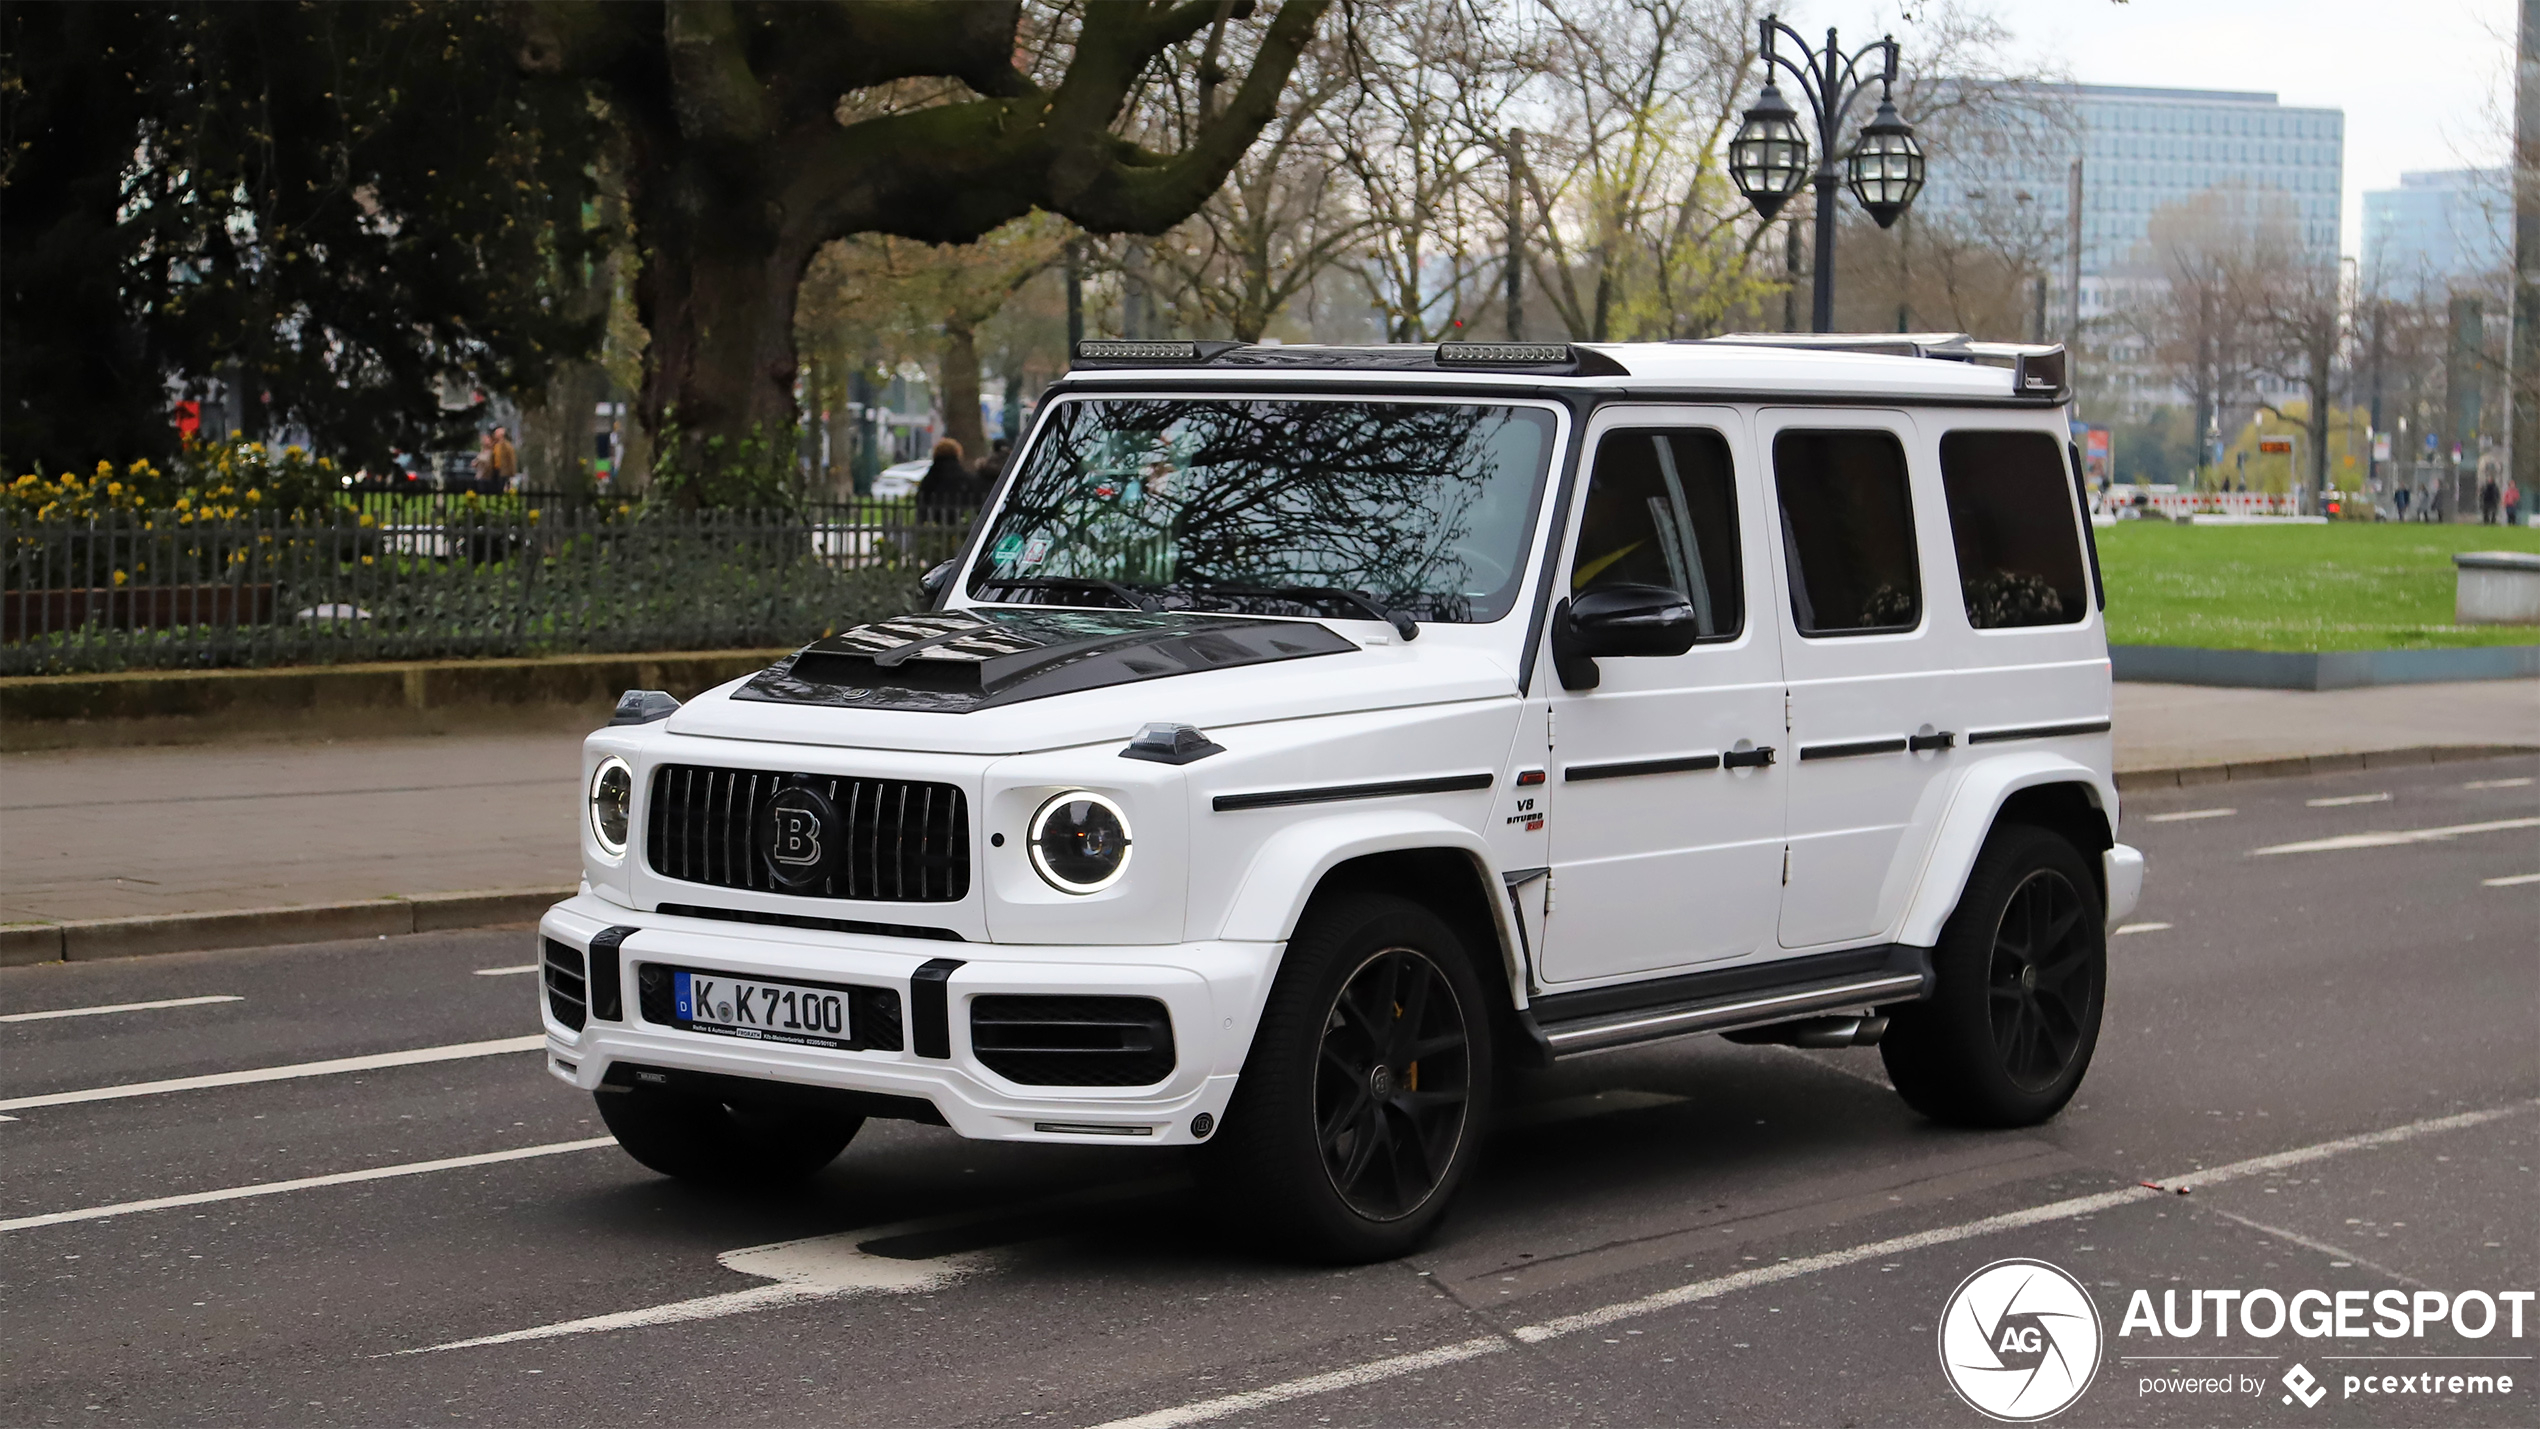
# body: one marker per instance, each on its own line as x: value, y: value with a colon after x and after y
x: 2123, y: 865
x: 1212, y: 992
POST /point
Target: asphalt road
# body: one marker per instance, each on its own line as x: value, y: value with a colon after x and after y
x: 1691, y: 1233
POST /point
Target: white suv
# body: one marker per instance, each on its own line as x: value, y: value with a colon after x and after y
x: 1306, y: 736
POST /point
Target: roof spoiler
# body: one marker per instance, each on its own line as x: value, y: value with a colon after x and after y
x: 2042, y: 371
x: 1534, y: 359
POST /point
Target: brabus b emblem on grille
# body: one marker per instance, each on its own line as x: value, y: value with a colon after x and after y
x: 797, y: 836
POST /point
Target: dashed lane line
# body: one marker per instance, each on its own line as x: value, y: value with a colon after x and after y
x: 1393, y: 1367
x: 2185, y: 814
x: 2143, y: 928
x: 118, y: 1007
x: 509, y: 971
x: 304, y: 1183
x: 2342, y: 800
x: 416, y: 1056
x: 2509, y: 880
x: 2392, y: 838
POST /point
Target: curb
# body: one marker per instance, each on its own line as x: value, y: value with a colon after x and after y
x: 2318, y: 670
x: 444, y: 912
x: 2192, y: 775
x: 96, y: 938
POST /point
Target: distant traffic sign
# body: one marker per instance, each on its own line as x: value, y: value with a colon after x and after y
x: 2275, y: 446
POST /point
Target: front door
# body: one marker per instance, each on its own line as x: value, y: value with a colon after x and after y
x: 1666, y: 829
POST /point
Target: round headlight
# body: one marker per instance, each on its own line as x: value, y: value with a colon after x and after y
x: 612, y: 803
x: 1080, y: 843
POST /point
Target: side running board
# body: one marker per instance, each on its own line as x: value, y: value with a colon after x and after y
x: 1572, y: 1024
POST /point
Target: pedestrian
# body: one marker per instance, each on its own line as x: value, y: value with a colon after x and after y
x: 950, y: 489
x: 506, y: 460
x: 2401, y: 496
x: 992, y: 470
x: 2488, y: 496
x: 2513, y: 502
x: 480, y: 471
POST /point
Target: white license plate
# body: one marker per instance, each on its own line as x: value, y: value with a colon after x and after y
x: 761, y: 1011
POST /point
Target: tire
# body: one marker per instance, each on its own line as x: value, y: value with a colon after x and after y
x: 716, y: 1143
x: 1333, y: 1150
x: 2022, y: 975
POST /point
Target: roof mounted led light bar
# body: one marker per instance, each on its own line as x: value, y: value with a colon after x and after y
x: 1143, y: 352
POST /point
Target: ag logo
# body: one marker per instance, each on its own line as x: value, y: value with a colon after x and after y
x: 797, y: 836
x: 2019, y: 1340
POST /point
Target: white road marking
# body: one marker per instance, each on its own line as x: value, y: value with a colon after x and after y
x: 821, y: 1268
x: 415, y: 1056
x: 2343, y: 799
x: 2143, y: 928
x: 2189, y: 814
x: 507, y: 972
x: 118, y: 1007
x: 2522, y: 783
x: 2394, y: 838
x: 1396, y: 1366
x: 305, y: 1183
x: 2509, y: 880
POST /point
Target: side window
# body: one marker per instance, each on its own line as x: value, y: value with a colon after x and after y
x: 1847, y: 532
x: 1662, y: 510
x: 2011, y: 518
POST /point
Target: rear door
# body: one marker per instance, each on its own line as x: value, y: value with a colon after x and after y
x: 1666, y: 827
x: 1870, y: 673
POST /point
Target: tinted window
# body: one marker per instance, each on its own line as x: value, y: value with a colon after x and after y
x: 2011, y: 519
x: 1662, y: 510
x: 1847, y: 531
x: 1221, y: 504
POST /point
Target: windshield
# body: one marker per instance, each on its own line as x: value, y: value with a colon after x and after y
x: 1276, y: 507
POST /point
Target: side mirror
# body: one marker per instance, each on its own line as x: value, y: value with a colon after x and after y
x: 1618, y: 620
x: 934, y: 581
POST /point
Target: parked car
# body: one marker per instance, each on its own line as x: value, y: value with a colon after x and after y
x: 900, y: 480
x: 1309, y: 735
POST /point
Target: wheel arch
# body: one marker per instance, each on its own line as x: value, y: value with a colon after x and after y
x: 1434, y: 861
x: 2047, y: 790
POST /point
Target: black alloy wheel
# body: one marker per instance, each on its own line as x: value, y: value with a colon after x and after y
x: 1368, y: 1088
x: 2020, y: 977
x: 1391, y: 1080
x: 2040, y: 990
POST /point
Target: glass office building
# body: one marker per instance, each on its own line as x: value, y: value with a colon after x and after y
x: 2437, y: 229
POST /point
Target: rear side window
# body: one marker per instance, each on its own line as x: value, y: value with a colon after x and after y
x: 2011, y: 519
x: 1847, y: 532
x: 1662, y: 510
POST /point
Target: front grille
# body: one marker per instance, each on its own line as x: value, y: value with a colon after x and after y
x: 568, y: 993
x: 873, y: 1013
x: 901, y: 842
x: 1073, y: 1041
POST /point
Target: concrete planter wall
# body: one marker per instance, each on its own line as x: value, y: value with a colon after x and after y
x: 2497, y: 588
x: 2319, y: 670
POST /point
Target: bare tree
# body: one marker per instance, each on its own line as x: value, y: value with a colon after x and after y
x: 2200, y: 281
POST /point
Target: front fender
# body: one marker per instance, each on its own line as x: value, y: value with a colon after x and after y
x: 1978, y: 798
x: 1292, y: 861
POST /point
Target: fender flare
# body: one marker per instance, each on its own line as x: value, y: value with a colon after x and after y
x: 1973, y: 806
x: 1292, y: 863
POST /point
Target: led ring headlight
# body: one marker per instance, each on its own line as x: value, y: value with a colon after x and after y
x: 612, y: 804
x: 1079, y: 842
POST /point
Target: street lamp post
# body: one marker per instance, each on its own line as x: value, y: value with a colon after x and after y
x: 1768, y: 159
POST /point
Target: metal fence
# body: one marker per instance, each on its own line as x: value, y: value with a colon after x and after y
x: 447, y: 577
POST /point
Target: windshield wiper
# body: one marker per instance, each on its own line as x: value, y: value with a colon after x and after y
x: 1135, y: 600
x: 1367, y: 605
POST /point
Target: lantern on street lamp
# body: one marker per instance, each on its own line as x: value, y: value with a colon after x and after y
x: 1886, y: 166
x: 1768, y: 160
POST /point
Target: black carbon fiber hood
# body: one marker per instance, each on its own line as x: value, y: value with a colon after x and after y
x: 956, y: 661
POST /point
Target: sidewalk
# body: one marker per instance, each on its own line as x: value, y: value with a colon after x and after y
x: 118, y: 833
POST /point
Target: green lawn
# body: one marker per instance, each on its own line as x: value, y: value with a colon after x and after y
x: 2343, y: 586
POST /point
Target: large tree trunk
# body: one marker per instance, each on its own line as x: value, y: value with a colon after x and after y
x: 957, y: 384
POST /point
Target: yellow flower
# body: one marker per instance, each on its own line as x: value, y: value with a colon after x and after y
x: 120, y: 578
x: 114, y: 488
x: 366, y: 560
x: 254, y: 496
x: 369, y: 520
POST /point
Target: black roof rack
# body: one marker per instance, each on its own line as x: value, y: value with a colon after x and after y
x: 1533, y: 359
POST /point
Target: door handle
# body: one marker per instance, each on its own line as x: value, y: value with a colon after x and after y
x: 1755, y: 758
x: 1920, y: 742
